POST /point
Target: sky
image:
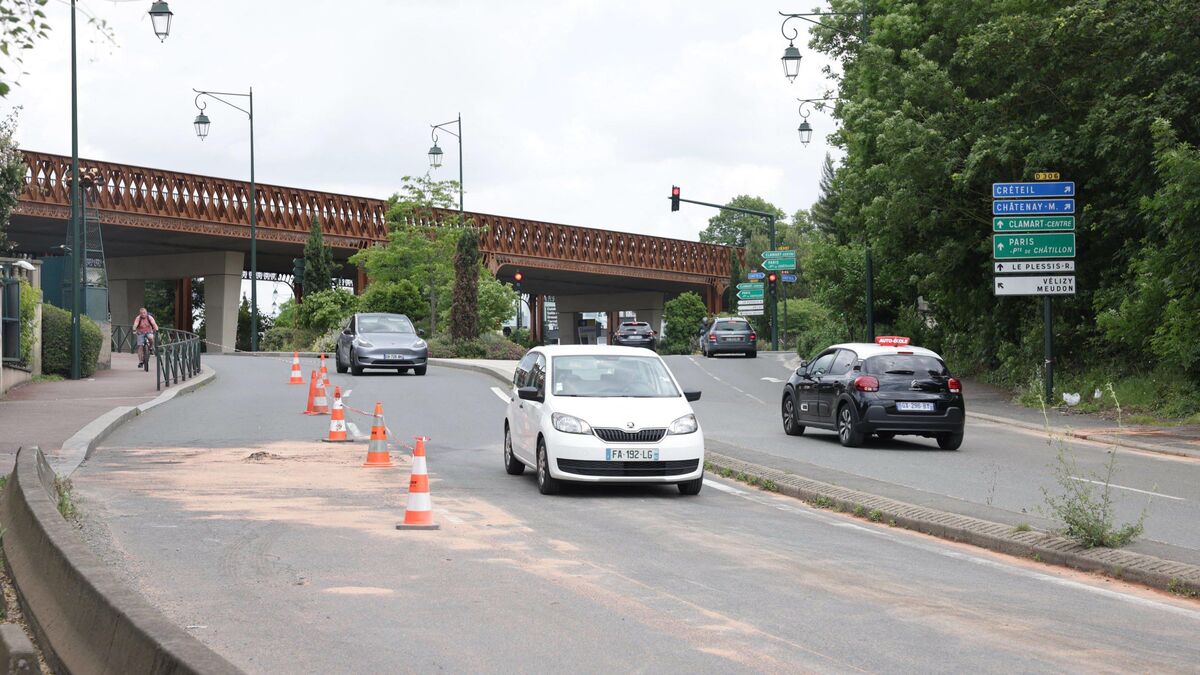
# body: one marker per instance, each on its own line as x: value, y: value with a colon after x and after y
x: 582, y: 112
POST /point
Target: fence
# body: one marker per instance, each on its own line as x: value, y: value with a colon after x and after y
x: 176, y: 357
x: 123, y: 339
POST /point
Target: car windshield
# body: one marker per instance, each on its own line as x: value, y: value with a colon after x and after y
x: 906, y: 364
x: 732, y: 325
x: 636, y: 328
x: 603, y: 376
x: 385, y: 324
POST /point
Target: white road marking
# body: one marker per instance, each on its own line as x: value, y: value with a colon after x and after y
x: 503, y: 396
x: 942, y: 550
x: 776, y: 380
x: 1122, y: 487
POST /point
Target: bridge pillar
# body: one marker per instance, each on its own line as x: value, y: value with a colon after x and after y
x: 125, y: 297
x: 568, y: 328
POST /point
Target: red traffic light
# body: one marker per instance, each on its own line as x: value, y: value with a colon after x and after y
x: 518, y: 277
x: 674, y: 197
x: 772, y: 277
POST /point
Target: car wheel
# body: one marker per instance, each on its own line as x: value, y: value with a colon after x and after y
x: 753, y: 354
x: 512, y: 465
x: 691, y: 487
x: 420, y: 370
x: 950, y: 441
x: 337, y: 362
x: 355, y: 369
x: 885, y: 435
x: 848, y: 433
x: 790, y: 426
x: 547, y: 484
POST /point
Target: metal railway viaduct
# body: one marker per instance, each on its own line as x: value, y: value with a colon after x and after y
x: 166, y: 225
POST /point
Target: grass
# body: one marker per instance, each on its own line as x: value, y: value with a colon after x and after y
x: 66, y: 501
x: 1180, y: 587
x: 875, y: 515
x: 48, y: 378
x: 742, y: 477
x: 1158, y: 398
x: 859, y: 510
x: 822, y: 502
x: 1022, y: 527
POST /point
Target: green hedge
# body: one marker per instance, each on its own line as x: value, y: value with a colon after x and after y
x: 56, y: 343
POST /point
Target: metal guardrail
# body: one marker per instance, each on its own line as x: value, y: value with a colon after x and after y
x: 123, y: 339
x: 176, y: 356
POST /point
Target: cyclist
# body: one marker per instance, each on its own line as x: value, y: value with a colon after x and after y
x: 145, y: 326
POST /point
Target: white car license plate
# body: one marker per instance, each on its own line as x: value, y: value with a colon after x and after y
x: 631, y: 454
x: 913, y: 406
x: 392, y: 357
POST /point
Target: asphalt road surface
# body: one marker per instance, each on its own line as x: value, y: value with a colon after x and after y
x: 288, y: 560
x: 1000, y: 467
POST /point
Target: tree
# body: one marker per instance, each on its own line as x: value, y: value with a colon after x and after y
x: 683, y: 315
x: 318, y: 261
x: 734, y: 229
x: 23, y: 23
x: 826, y: 207
x: 396, y: 297
x: 464, y: 313
x: 495, y: 301
x: 12, y: 172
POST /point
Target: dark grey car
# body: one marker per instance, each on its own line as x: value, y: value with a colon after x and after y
x: 378, y: 340
x: 729, y: 335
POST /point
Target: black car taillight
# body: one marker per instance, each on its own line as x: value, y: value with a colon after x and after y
x: 954, y: 385
x: 753, y: 337
x: 712, y: 338
x: 866, y: 383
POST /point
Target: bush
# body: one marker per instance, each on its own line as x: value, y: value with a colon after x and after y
x: 812, y: 327
x: 327, y: 309
x: 522, y: 337
x: 501, y: 348
x: 683, y: 316
x: 326, y: 342
x: 397, y: 297
x: 56, y: 342
x: 287, y: 339
x: 30, y: 298
x: 442, y: 347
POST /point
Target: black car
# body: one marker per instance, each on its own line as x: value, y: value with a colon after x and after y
x: 635, y: 334
x: 863, y: 389
x: 729, y: 335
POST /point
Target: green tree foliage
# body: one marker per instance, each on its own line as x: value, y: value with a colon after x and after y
x: 12, y: 168
x: 948, y: 96
x: 734, y: 229
x: 326, y: 310
x: 22, y: 23
x: 464, y: 313
x: 396, y: 297
x: 30, y: 299
x: 56, y: 342
x: 683, y: 315
x: 318, y: 261
x: 496, y: 301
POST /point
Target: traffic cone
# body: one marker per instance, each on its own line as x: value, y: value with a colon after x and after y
x: 337, y: 421
x: 324, y: 373
x: 377, y: 452
x: 312, y: 394
x: 320, y: 404
x: 418, y: 515
x: 297, y: 374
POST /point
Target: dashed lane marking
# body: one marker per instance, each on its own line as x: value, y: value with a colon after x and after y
x: 776, y: 380
x: 503, y: 396
x: 1122, y: 487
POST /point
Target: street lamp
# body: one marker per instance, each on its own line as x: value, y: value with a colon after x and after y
x: 202, y: 124
x: 806, y: 129
x: 791, y: 58
x: 435, y: 155
x: 76, y: 227
x: 160, y: 17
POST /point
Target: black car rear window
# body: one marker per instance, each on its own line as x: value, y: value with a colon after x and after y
x: 732, y: 325
x: 905, y: 364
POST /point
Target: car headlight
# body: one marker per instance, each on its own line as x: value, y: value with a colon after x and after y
x: 420, y: 344
x: 569, y: 424
x: 362, y: 342
x: 683, y: 425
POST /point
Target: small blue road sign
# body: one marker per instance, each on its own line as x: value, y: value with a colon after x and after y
x: 1065, y: 188
x: 756, y: 275
x: 789, y: 278
x: 1029, y: 207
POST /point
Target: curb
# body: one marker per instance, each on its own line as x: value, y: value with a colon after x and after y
x: 303, y: 355
x: 451, y: 363
x: 1084, y: 435
x: 79, y: 447
x: 1155, y: 572
x: 86, y: 620
x: 17, y: 655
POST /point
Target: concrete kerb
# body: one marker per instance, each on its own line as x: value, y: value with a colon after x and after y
x: 1085, y: 435
x: 1155, y: 572
x: 495, y: 372
x: 86, y: 620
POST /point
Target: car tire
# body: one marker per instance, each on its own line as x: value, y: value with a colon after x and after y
x: 337, y: 363
x: 885, y: 435
x: 848, y: 432
x: 355, y: 369
x: 950, y: 441
x: 419, y: 370
x: 512, y: 465
x: 691, y: 487
x: 791, y: 426
x: 753, y: 354
x: 547, y: 484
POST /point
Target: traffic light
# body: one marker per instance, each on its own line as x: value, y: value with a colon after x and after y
x: 674, y: 197
x: 517, y: 279
x: 772, y: 277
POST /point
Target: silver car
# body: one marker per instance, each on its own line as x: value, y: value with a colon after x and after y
x: 377, y: 340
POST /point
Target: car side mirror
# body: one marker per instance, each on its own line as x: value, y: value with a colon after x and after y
x: 420, y: 332
x: 692, y: 395
x: 529, y: 394
x: 347, y: 331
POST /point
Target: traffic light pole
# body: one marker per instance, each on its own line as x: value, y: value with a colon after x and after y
x: 771, y: 225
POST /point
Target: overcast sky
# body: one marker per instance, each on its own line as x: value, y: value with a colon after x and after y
x: 577, y: 112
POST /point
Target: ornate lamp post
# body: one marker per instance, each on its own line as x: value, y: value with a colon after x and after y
x: 435, y: 155
x: 202, y: 123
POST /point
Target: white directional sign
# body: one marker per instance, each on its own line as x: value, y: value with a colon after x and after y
x: 757, y: 311
x: 1043, y: 266
x: 746, y: 302
x: 1039, y: 285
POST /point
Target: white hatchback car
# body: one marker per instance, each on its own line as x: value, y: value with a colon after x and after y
x: 600, y: 414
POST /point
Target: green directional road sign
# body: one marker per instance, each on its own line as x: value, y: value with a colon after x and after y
x: 750, y: 286
x: 750, y: 294
x: 785, y: 265
x: 775, y: 255
x: 1020, y: 246
x: 1032, y: 223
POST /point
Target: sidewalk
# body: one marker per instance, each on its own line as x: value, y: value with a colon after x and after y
x: 988, y: 402
x: 48, y: 413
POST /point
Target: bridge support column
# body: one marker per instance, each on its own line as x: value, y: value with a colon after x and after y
x: 183, y: 304
x: 568, y: 328
x: 222, y: 296
x: 125, y: 297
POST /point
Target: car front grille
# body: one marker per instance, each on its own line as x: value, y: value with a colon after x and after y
x: 582, y: 467
x: 619, y: 436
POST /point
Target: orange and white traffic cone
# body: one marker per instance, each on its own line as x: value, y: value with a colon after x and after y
x: 418, y: 514
x: 320, y: 404
x: 297, y: 374
x: 324, y: 373
x: 377, y: 452
x: 337, y: 421
x: 312, y: 395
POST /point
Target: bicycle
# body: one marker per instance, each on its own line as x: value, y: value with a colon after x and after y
x: 144, y: 350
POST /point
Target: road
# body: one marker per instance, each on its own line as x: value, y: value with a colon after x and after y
x: 289, y: 561
x: 997, y: 467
